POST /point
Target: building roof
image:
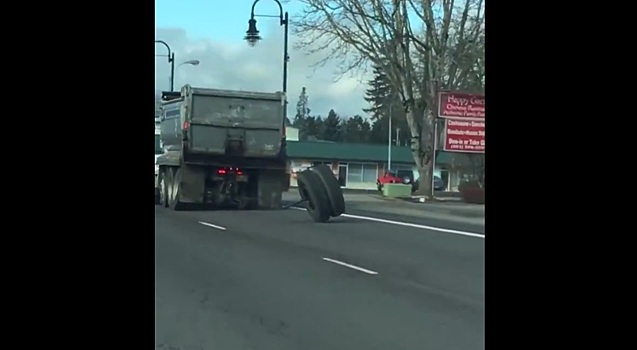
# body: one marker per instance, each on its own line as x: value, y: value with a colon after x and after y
x: 347, y: 151
x: 319, y: 150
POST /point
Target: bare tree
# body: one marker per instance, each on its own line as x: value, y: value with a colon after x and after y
x: 422, y: 46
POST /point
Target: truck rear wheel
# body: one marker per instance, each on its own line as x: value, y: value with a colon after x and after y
x: 332, y: 188
x: 162, y: 187
x: 174, y: 194
x: 312, y: 189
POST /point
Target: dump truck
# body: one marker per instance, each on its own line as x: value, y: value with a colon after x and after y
x: 227, y: 148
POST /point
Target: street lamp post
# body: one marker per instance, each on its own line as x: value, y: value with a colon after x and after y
x: 189, y: 62
x: 171, y: 60
x: 252, y: 37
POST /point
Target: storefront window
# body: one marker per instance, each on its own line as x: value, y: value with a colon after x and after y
x: 357, y: 172
x: 370, y: 172
x: 354, y: 173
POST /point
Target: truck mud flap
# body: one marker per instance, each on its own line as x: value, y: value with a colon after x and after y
x: 332, y: 188
x: 312, y: 189
x: 270, y: 189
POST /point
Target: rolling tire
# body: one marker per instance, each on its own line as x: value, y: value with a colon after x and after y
x: 332, y: 188
x: 174, y: 194
x: 312, y: 189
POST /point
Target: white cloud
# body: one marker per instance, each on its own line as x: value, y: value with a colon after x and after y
x: 235, y: 65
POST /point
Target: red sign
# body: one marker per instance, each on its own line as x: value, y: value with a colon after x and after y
x: 464, y: 136
x: 460, y: 105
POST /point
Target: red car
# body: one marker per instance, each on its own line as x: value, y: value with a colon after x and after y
x: 395, y: 176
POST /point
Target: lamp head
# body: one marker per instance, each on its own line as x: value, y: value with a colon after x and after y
x: 252, y: 34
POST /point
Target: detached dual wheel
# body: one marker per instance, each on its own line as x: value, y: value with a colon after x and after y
x: 169, y: 179
x: 320, y: 189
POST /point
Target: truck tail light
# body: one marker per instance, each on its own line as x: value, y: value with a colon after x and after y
x: 231, y: 170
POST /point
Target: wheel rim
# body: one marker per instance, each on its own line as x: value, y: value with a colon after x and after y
x: 162, y: 191
x: 169, y: 190
x: 174, y: 188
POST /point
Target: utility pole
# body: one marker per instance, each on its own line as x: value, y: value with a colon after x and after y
x: 389, y: 140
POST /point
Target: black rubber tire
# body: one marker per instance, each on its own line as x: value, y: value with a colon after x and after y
x: 163, y: 188
x: 311, y: 188
x: 174, y: 202
x: 332, y: 188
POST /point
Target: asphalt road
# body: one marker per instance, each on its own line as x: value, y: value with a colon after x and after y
x: 275, y: 280
x: 394, y: 212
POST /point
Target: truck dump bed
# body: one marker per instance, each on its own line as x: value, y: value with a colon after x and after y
x: 233, y: 123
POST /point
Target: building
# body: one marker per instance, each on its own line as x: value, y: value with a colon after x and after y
x: 291, y: 133
x: 358, y: 166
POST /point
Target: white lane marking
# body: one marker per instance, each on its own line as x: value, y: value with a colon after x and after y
x: 213, y: 225
x: 351, y: 266
x: 408, y: 224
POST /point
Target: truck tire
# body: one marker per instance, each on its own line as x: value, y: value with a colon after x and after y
x: 174, y: 195
x: 312, y: 189
x: 332, y: 188
x: 163, y: 188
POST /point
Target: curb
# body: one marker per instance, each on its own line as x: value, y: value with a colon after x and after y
x: 389, y: 199
x: 427, y: 207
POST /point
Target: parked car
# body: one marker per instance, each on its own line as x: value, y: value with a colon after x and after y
x: 439, y: 185
x: 395, y: 176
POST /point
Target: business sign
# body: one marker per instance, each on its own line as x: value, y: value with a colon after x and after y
x: 464, y: 136
x: 460, y: 105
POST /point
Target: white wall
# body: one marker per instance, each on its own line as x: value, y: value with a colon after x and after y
x: 291, y: 133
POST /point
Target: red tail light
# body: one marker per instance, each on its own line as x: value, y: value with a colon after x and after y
x: 230, y: 170
x: 186, y: 125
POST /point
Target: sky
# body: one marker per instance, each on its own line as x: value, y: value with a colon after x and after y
x: 212, y: 32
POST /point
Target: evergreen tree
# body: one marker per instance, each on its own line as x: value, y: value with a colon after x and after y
x: 331, y: 131
x: 378, y: 133
x: 378, y: 94
x: 314, y: 128
x: 302, y: 112
x: 365, y: 131
x: 353, y: 130
x: 385, y: 103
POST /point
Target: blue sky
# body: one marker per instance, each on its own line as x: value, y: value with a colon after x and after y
x: 212, y: 31
x: 223, y: 20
